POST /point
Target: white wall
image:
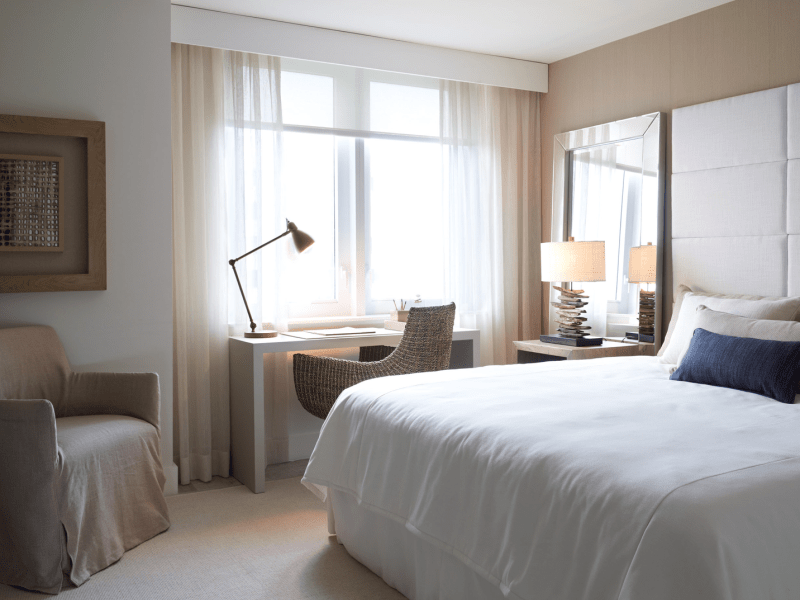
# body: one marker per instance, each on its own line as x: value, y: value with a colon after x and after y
x: 106, y: 60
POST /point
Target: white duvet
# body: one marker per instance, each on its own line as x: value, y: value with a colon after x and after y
x: 593, y: 480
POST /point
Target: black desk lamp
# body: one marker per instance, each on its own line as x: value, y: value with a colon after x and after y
x: 302, y: 241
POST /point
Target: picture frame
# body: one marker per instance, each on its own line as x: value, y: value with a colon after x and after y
x: 90, y: 136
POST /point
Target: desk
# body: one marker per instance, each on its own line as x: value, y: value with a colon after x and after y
x: 248, y: 429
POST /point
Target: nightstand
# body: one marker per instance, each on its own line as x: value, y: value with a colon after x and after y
x: 534, y: 351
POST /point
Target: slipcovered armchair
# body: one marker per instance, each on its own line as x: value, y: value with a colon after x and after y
x: 81, y: 479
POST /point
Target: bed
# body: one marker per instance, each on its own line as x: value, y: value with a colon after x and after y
x: 604, y: 478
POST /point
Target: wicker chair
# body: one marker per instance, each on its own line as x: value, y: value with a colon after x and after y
x: 425, y: 346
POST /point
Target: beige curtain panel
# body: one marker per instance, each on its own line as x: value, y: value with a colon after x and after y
x: 493, y: 203
x: 200, y: 297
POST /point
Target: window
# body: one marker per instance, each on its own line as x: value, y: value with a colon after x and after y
x: 360, y: 166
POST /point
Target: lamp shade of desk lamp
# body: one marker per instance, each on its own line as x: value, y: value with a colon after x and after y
x: 642, y: 269
x: 570, y: 262
x: 302, y: 242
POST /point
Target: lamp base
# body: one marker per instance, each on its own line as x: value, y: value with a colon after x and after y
x: 571, y: 341
x: 264, y: 333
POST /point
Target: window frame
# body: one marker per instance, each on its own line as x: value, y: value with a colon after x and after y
x: 351, y: 98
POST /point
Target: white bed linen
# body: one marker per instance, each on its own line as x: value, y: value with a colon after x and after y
x: 579, y: 480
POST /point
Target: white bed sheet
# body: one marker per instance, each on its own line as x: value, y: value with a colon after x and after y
x: 578, y: 480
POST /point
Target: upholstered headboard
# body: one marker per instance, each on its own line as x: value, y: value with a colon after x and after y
x: 736, y: 194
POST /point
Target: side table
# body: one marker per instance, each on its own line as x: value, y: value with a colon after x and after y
x: 535, y: 351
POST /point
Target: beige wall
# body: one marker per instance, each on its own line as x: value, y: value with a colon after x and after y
x: 737, y: 48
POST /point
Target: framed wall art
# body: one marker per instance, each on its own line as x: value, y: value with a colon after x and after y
x: 52, y: 204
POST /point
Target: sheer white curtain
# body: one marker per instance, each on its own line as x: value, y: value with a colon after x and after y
x: 226, y: 201
x: 229, y: 197
x: 491, y: 137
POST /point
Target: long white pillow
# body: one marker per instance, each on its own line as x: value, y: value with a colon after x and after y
x: 680, y: 292
x: 775, y: 309
x: 761, y: 329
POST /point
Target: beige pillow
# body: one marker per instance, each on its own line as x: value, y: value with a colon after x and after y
x: 761, y: 329
x: 754, y: 307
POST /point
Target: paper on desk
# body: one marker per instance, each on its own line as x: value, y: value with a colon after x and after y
x: 303, y: 335
x: 341, y: 331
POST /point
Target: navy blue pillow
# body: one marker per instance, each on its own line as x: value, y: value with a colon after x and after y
x: 764, y: 367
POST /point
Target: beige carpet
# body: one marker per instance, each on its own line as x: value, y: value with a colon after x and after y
x: 233, y: 544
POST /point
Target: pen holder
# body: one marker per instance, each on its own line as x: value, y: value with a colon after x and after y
x: 400, y: 315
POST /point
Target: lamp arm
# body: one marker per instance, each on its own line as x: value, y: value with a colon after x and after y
x: 235, y: 260
x: 232, y: 262
x: 247, y: 308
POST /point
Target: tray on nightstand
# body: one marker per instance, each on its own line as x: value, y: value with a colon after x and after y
x: 581, y: 342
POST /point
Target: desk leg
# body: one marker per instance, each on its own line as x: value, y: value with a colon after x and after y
x: 247, y: 416
x: 476, y: 350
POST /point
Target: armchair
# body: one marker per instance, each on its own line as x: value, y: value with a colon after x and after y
x: 425, y: 346
x: 80, y: 463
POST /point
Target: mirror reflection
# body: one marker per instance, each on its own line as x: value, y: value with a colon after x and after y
x: 612, y: 196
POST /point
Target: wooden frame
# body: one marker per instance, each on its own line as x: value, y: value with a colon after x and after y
x: 94, y: 132
x: 60, y: 161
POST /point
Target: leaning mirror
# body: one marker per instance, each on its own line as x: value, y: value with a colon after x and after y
x: 608, y: 185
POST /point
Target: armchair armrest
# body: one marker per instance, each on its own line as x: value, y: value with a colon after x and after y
x: 130, y: 394
x: 30, y: 529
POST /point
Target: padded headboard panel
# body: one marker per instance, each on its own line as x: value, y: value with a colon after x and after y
x: 736, y: 194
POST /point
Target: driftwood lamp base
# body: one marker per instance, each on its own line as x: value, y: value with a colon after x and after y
x: 571, y: 319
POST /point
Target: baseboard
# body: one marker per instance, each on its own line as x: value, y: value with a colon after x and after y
x: 171, y: 485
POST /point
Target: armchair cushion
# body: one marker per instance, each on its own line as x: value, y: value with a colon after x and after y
x: 30, y: 531
x: 109, y: 481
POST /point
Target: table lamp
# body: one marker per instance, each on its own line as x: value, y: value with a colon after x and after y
x: 302, y: 241
x: 570, y: 262
x: 642, y: 269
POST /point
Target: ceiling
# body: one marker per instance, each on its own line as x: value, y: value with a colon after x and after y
x: 537, y: 30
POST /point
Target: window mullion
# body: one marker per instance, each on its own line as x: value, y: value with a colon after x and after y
x: 360, y: 232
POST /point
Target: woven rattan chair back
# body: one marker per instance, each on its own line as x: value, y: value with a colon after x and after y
x: 425, y: 346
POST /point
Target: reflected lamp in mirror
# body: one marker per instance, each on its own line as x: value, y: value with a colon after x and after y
x: 569, y: 262
x: 642, y: 269
x: 302, y: 242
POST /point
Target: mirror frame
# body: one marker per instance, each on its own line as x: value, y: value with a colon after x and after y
x: 652, y: 129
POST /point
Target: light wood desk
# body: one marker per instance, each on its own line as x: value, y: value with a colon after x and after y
x: 248, y: 425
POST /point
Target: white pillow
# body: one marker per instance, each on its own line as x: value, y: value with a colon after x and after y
x: 774, y: 309
x: 680, y: 292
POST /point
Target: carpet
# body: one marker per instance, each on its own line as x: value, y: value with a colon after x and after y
x: 233, y: 544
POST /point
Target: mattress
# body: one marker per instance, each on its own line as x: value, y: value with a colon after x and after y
x: 580, y: 480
